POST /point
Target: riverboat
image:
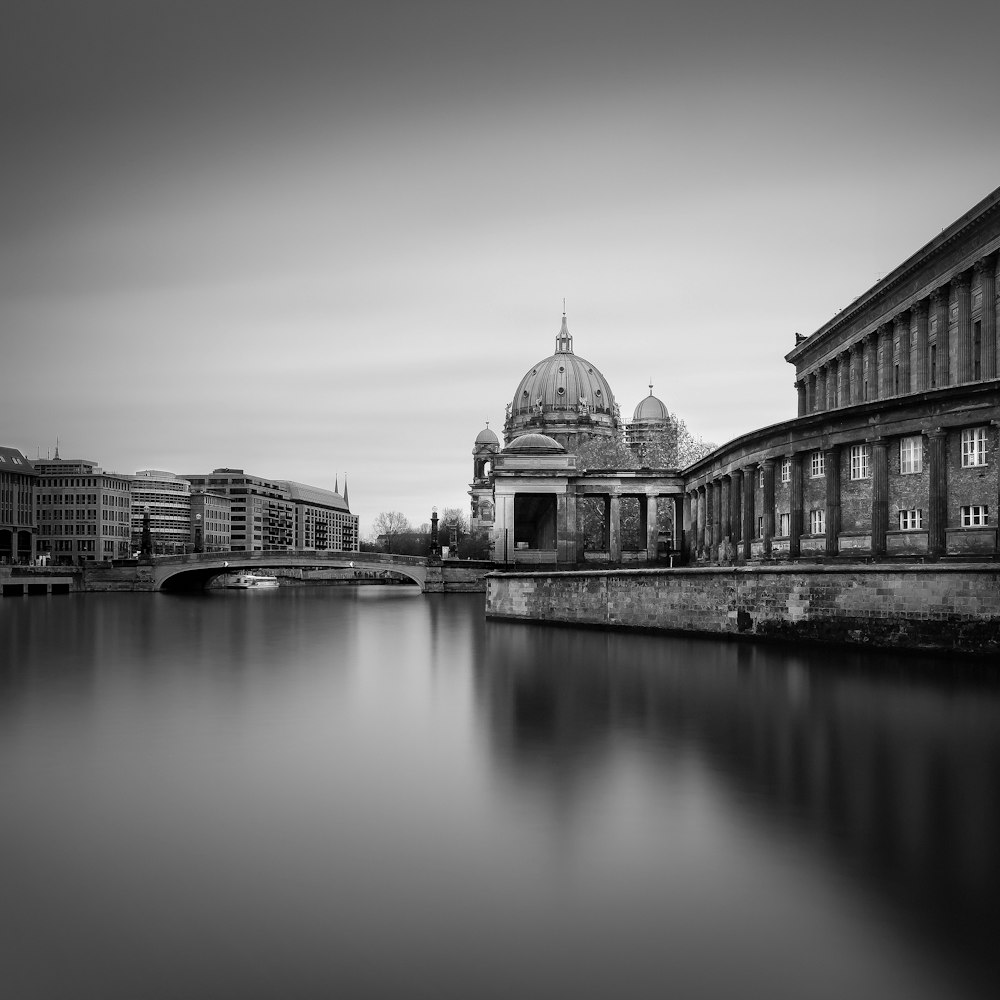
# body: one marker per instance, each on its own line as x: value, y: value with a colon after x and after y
x: 252, y: 581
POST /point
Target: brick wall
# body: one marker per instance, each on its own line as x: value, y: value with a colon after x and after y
x: 952, y: 608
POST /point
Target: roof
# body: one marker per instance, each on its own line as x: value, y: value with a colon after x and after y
x: 651, y: 408
x: 313, y: 494
x: 486, y: 436
x: 11, y: 460
x: 535, y: 443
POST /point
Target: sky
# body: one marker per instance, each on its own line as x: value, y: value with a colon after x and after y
x: 324, y: 240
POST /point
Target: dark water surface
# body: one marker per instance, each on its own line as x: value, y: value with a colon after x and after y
x: 374, y: 793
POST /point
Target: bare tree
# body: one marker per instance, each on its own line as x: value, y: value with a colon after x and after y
x: 387, y: 526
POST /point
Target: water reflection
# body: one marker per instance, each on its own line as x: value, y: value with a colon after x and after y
x: 887, y: 764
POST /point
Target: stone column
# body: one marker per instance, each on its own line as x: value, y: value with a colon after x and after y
x: 844, y: 379
x: 902, y: 335
x: 736, y: 495
x: 855, y: 372
x: 690, y: 527
x: 987, y: 284
x: 832, y: 374
x: 700, y: 542
x: 831, y: 459
x: 795, y: 507
x: 937, y: 474
x: 614, y: 523
x: 649, y: 511
x: 919, y: 380
x: 869, y: 369
x: 749, y: 478
x: 800, y: 394
x: 880, y: 496
x: 768, y: 502
x: 994, y: 309
x: 726, y: 526
x: 942, y: 337
x: 884, y: 361
x: 963, y: 327
x: 716, y: 518
x: 820, y: 389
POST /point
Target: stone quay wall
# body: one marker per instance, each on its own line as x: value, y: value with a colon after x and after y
x: 929, y: 606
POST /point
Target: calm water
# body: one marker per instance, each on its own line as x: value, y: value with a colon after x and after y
x: 373, y: 793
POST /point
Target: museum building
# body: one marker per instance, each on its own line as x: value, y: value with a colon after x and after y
x: 894, y: 450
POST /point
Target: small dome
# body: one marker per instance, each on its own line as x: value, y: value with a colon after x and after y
x: 486, y: 436
x: 651, y: 408
x: 535, y: 444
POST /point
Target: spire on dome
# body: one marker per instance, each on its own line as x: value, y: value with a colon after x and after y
x: 564, y: 341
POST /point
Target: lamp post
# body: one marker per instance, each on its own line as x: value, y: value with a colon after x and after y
x: 435, y: 548
x: 197, y: 533
x: 146, y: 545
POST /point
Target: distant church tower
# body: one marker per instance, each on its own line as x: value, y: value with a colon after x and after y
x: 481, y: 489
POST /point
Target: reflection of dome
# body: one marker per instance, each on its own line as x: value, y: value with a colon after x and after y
x: 486, y: 436
x: 563, y: 395
x: 651, y: 408
x: 535, y: 444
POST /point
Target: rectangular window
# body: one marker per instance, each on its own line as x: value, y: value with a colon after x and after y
x: 817, y: 465
x: 911, y: 520
x: 977, y: 350
x: 975, y: 516
x: 786, y: 470
x: 933, y: 365
x: 973, y: 446
x: 784, y: 524
x: 760, y: 527
x: 761, y: 478
x: 911, y: 455
x: 859, y: 461
x: 817, y: 522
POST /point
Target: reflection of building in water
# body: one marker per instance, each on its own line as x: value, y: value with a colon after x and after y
x: 896, y: 779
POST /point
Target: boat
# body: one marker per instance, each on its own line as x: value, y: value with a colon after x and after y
x: 252, y: 581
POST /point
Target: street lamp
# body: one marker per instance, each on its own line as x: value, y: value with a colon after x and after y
x: 146, y: 545
x: 197, y: 533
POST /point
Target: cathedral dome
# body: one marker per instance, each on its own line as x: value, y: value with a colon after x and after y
x: 564, y: 396
x: 651, y: 408
x: 535, y: 444
x: 486, y: 436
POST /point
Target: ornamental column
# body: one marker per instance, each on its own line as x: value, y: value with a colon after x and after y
x: 963, y: 327
x: 768, y: 502
x: 716, y: 518
x: 821, y: 389
x: 942, y: 338
x: 749, y: 476
x: 831, y: 462
x: 884, y: 361
x: 795, y: 507
x: 844, y: 379
x: 902, y: 335
x: 726, y: 506
x: 736, y: 496
x: 614, y: 527
x: 987, y: 285
x: 689, y: 525
x: 700, y: 538
x: 869, y: 379
x: 854, y: 376
x: 937, y: 506
x: 652, y: 527
x: 800, y: 394
x: 918, y: 365
x: 880, y: 497
x: 832, y: 377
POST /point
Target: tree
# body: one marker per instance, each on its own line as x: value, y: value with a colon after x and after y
x: 388, y: 526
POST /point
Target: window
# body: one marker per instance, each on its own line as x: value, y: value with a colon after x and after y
x: 817, y: 522
x: 975, y: 516
x: 933, y: 365
x: 786, y: 470
x: 817, y: 466
x: 911, y: 520
x: 859, y: 461
x: 784, y: 524
x: 761, y: 477
x: 973, y: 446
x: 760, y: 526
x: 911, y: 455
x: 977, y: 350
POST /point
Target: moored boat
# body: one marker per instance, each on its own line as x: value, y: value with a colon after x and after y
x: 252, y: 581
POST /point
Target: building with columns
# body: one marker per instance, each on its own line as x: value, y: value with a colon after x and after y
x: 893, y: 452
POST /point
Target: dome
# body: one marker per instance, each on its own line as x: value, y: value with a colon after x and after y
x: 486, y: 436
x: 535, y: 444
x: 563, y: 395
x: 651, y: 408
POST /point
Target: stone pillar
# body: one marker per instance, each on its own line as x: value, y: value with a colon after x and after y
x: 880, y: 496
x: 768, y: 502
x: 855, y: 372
x: 919, y: 379
x: 736, y: 495
x: 884, y: 361
x: 844, y: 379
x: 942, y: 337
x: 700, y: 543
x: 820, y: 389
x: 869, y: 369
x: 937, y: 513
x: 795, y: 507
x: 987, y: 285
x: 963, y: 327
x: 994, y: 309
x: 800, y: 394
x: 566, y: 548
x: 831, y: 458
x: 647, y: 513
x: 726, y: 526
x: 749, y: 478
x: 831, y: 385
x: 614, y: 523
x: 901, y: 334
x: 690, y: 526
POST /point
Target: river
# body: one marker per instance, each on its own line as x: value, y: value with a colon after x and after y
x: 331, y: 792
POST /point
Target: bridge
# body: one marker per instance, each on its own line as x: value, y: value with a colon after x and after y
x: 194, y: 570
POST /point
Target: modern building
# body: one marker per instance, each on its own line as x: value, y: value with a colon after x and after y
x: 210, y: 522
x: 276, y: 516
x: 83, y: 513
x: 167, y: 498
x: 17, y: 507
x: 894, y: 452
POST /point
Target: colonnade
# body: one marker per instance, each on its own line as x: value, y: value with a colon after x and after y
x: 899, y: 355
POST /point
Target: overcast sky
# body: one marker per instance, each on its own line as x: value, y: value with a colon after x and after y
x: 322, y: 239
